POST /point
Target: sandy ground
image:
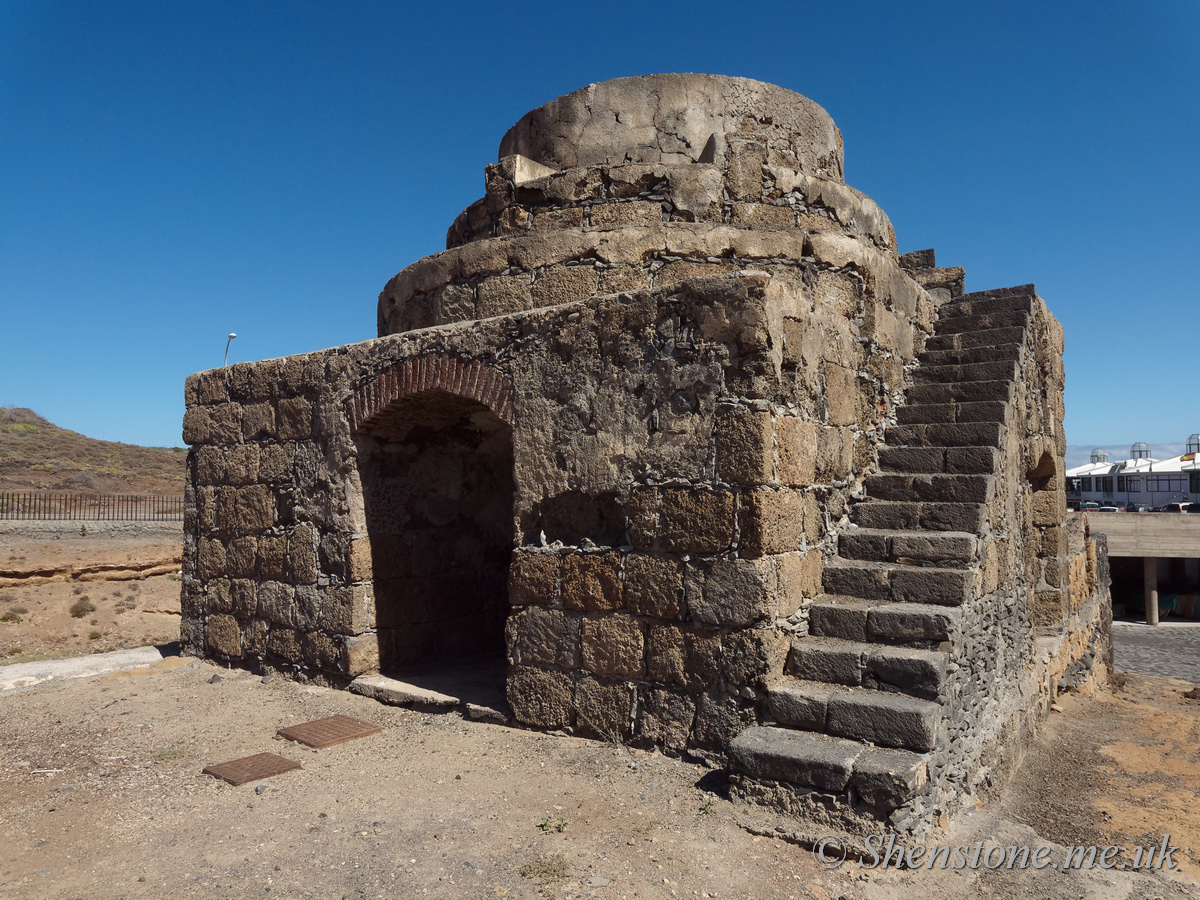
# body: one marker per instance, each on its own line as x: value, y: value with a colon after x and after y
x: 102, y: 795
x: 124, y: 590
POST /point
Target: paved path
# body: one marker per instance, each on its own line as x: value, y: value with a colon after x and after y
x: 1172, y: 649
x: 21, y: 675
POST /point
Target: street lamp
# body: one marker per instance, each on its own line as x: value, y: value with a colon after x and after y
x: 231, y: 337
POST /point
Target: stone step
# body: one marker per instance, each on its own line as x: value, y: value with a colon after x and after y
x: 960, y: 392
x: 963, y: 339
x: 951, y: 434
x: 905, y: 516
x: 949, y: 548
x: 974, y: 305
x: 1000, y: 370
x: 993, y: 295
x: 970, y: 355
x: 938, y: 413
x: 879, y: 667
x: 885, y: 581
x: 931, y: 488
x: 932, y: 460
x: 861, y: 714
x: 884, y: 779
x: 853, y: 619
x: 992, y: 319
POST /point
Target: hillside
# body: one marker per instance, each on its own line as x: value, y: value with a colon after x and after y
x: 37, y: 455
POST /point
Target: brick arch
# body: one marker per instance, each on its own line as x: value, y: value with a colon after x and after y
x: 468, y: 378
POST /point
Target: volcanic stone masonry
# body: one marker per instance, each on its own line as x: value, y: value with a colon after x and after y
x: 673, y: 429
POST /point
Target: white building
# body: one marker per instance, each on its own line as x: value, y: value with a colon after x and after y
x: 1137, y: 481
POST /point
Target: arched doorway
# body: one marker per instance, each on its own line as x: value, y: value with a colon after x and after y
x: 437, y: 478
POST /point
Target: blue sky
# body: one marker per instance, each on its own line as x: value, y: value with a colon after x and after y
x: 172, y: 172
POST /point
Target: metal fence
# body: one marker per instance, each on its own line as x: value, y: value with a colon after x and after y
x: 91, y: 507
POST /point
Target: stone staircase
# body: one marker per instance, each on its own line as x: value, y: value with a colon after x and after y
x: 860, y: 706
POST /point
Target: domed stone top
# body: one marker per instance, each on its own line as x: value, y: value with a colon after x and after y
x: 676, y: 119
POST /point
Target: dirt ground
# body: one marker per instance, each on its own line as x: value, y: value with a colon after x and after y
x: 66, y: 594
x: 102, y: 795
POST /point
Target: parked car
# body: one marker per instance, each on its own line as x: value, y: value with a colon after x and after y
x: 1110, y: 509
x: 1089, y: 505
x: 1174, y: 507
x: 1139, y: 507
x: 1193, y: 507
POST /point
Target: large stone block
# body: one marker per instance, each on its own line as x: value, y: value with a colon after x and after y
x: 224, y: 636
x: 592, y: 581
x: 541, y: 698
x: 358, y: 561
x: 240, y: 557
x: 653, y: 585
x: 622, y: 215
x: 362, y: 654
x: 323, y: 651
x: 302, y: 555
x: 537, y: 636
x: 695, y: 521
x: 294, y: 419
x: 284, y: 643
x: 753, y: 656
x: 613, y: 646
x: 568, y: 285
x: 684, y: 656
x: 745, y: 450
x: 1049, y: 508
x: 210, y: 561
x: 797, y: 443
x: 840, y: 394
x: 533, y: 578
x: 502, y: 295
x: 835, y: 455
x: 602, y: 709
x: 272, y: 557
x: 665, y: 717
x: 809, y: 760
x: 772, y: 521
x: 738, y: 593
x: 799, y: 578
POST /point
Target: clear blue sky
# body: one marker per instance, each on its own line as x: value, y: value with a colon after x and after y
x: 171, y: 172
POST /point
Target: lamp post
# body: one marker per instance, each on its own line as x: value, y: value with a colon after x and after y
x: 231, y: 337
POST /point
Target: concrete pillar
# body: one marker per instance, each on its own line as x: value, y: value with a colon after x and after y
x: 1150, y: 582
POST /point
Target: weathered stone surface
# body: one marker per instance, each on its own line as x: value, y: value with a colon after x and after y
x: 653, y: 585
x: 603, y: 709
x: 592, y: 581
x: 800, y: 704
x: 890, y: 720
x: 665, y: 717
x: 541, y: 698
x: 827, y: 661
x: 887, y: 779
x: 224, y: 636
x: 695, y: 521
x: 745, y: 450
x: 772, y: 521
x: 533, y: 578
x: 613, y: 645
x: 809, y: 760
x: 684, y: 656
x: 737, y: 592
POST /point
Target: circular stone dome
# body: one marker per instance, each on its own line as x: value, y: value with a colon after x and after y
x: 650, y: 119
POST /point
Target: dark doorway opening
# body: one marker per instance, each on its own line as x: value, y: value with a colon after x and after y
x: 437, y: 477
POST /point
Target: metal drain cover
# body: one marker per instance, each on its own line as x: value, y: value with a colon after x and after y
x: 251, y: 768
x: 322, y: 733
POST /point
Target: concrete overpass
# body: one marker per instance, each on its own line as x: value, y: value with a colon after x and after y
x: 1151, y: 537
x: 1149, y: 534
